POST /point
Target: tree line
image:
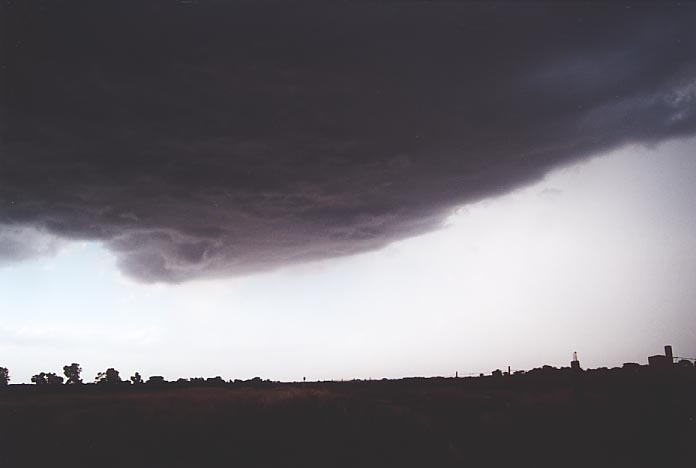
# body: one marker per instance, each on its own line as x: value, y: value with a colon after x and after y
x: 73, y: 376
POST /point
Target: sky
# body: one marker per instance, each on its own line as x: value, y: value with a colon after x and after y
x: 338, y: 189
x: 597, y: 258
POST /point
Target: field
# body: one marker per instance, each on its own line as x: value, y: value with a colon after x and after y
x: 522, y: 421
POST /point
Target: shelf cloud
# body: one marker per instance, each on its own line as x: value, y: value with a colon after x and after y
x: 220, y: 138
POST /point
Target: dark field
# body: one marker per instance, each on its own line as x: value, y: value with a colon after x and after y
x: 562, y: 420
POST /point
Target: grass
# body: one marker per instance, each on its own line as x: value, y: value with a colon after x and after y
x: 421, y: 422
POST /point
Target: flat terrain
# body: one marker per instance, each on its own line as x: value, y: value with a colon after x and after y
x: 558, y: 420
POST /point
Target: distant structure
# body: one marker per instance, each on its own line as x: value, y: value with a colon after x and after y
x: 668, y: 354
x: 575, y: 364
x: 661, y: 361
x: 657, y: 361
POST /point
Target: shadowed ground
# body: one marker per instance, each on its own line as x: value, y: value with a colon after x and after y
x: 563, y: 420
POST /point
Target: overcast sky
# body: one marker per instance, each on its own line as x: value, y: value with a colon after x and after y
x: 345, y: 189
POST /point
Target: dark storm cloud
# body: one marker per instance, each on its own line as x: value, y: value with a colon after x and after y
x: 226, y: 137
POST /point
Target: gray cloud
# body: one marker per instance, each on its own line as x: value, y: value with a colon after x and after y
x: 19, y: 243
x: 227, y: 137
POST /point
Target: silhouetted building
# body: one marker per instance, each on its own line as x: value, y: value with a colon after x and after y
x: 662, y: 361
x: 658, y: 361
x: 575, y: 364
x: 669, y: 355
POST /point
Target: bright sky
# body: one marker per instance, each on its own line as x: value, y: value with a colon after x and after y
x: 598, y: 258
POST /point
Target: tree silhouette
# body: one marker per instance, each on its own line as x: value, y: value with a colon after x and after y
x: 72, y: 372
x: 39, y: 379
x: 214, y: 381
x: 156, y: 380
x: 137, y: 379
x: 54, y: 379
x: 4, y: 376
x: 49, y: 378
x: 110, y: 376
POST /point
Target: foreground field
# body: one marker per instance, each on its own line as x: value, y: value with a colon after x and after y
x: 509, y: 421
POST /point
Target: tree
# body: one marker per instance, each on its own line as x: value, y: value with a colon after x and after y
x: 39, y: 379
x: 54, y: 379
x: 49, y: 378
x: 110, y: 376
x: 4, y: 376
x: 72, y: 372
x: 156, y: 380
x: 214, y: 381
x: 137, y: 379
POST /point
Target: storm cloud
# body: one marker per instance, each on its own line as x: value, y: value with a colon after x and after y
x: 226, y: 137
